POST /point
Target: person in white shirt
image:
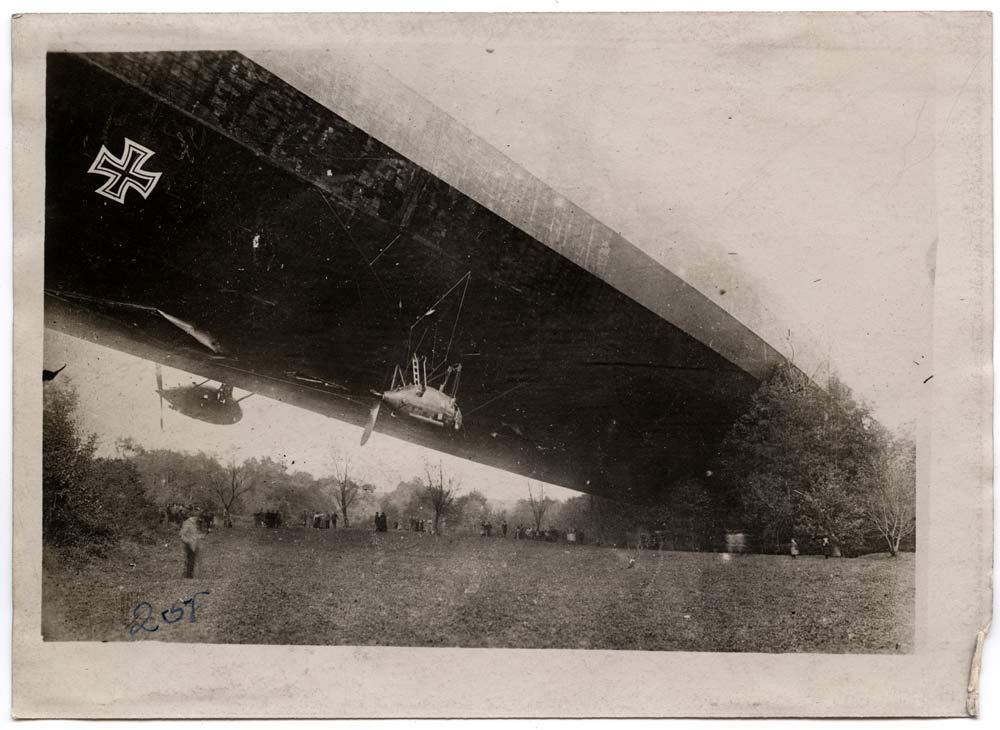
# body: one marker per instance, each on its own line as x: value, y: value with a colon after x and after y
x: 191, y: 536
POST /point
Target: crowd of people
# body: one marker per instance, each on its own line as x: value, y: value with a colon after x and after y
x: 321, y: 520
x: 549, y: 534
x: 195, y: 526
x: 826, y: 548
x: 520, y: 532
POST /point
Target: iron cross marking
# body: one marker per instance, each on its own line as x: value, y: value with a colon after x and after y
x: 125, y: 173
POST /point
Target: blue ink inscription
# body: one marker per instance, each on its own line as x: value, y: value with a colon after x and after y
x: 143, y: 620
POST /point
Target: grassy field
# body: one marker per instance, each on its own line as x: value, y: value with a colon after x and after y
x: 323, y: 587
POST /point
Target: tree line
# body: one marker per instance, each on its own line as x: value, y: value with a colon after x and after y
x: 801, y: 462
x: 93, y: 501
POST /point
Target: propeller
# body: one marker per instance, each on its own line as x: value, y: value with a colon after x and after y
x: 372, y: 416
x: 159, y: 390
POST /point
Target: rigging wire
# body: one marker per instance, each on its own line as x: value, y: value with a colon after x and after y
x: 350, y: 236
x: 385, y: 249
x: 431, y: 309
x: 506, y: 392
x: 454, y: 326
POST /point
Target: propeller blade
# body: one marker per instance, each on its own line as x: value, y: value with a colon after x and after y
x: 372, y: 416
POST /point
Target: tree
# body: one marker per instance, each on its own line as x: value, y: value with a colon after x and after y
x: 300, y: 492
x: 472, y: 507
x: 539, y: 505
x: 273, y: 487
x: 121, y: 500
x: 87, y: 502
x: 401, y: 502
x: 345, y: 490
x: 892, y: 500
x: 174, y: 477
x: 688, y: 515
x: 229, y: 484
x: 439, y: 494
x: 67, y: 454
x: 797, y: 458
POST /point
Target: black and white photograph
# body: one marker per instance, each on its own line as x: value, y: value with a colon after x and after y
x: 484, y: 333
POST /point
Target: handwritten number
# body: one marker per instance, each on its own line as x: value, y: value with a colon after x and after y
x: 191, y: 602
x: 142, y: 614
x: 138, y: 625
x: 173, y: 610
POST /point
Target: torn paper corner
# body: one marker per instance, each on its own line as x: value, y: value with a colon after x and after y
x: 972, y: 691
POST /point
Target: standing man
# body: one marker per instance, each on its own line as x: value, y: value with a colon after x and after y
x: 827, y: 548
x: 191, y: 536
x: 333, y: 520
x: 503, y: 528
x: 794, y: 549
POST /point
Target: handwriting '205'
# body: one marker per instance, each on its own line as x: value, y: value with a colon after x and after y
x: 143, y: 614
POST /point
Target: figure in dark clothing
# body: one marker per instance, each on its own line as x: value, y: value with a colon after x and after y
x: 503, y: 528
x: 827, y: 547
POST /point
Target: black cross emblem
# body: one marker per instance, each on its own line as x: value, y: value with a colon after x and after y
x: 125, y: 173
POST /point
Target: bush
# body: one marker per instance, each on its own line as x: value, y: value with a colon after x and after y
x: 87, y: 501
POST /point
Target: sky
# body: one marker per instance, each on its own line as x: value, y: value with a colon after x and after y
x: 793, y: 183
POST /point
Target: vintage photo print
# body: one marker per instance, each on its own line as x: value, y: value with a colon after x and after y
x: 644, y: 340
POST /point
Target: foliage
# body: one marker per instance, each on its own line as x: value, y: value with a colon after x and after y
x: 800, y: 459
x: 174, y: 477
x: 230, y: 484
x: 471, y: 509
x: 87, y: 502
x: 403, y: 503
x: 301, y: 492
x: 346, y: 492
x: 890, y: 507
x: 539, y: 505
x: 122, y: 500
x: 438, y: 494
